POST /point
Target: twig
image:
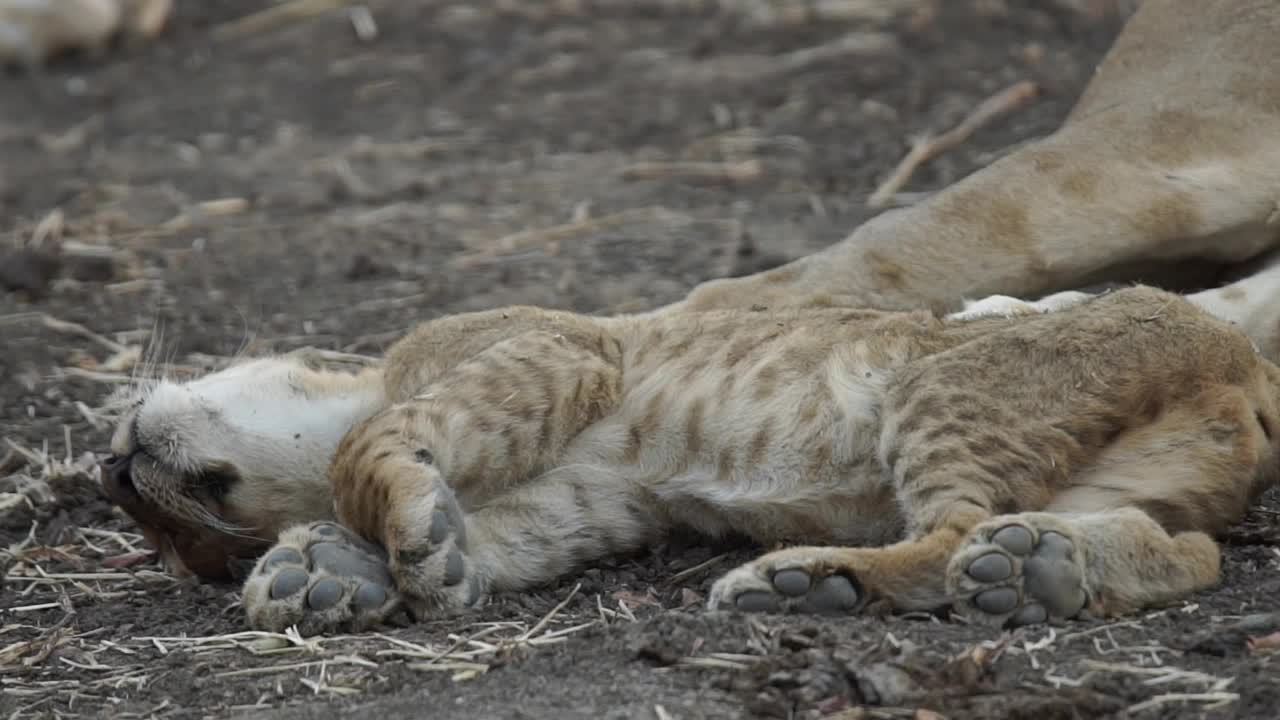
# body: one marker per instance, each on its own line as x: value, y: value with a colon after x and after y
x: 695, y: 570
x: 1217, y: 698
x: 274, y: 17
x: 926, y: 148
x: 548, y: 237
x: 65, y: 326
x: 547, y: 618
x: 102, y: 377
x: 269, y: 670
x: 695, y: 172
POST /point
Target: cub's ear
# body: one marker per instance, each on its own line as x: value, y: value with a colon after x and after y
x: 333, y: 361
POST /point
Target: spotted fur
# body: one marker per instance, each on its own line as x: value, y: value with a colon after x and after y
x: 888, y: 438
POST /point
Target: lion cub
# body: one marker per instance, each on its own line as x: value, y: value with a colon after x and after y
x: 1015, y: 465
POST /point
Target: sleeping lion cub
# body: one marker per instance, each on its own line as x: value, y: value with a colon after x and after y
x: 1016, y: 464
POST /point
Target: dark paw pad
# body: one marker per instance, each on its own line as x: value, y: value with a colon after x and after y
x: 1022, y: 573
x: 990, y: 568
x: 1052, y: 576
x: 369, y: 596
x: 1014, y: 538
x: 283, y: 556
x: 440, y: 526
x: 832, y: 595
x: 998, y: 601
x: 757, y: 601
x: 320, y: 578
x: 454, y: 568
x: 324, y: 594
x: 792, y: 583
x: 287, y: 582
x: 1032, y: 614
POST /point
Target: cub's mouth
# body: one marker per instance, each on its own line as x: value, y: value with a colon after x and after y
x: 183, y: 515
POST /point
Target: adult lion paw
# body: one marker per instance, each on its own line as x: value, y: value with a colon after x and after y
x: 322, y: 578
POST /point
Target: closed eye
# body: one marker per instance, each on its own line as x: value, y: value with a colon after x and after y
x: 216, y: 479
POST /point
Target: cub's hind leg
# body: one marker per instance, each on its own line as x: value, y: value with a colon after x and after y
x: 1134, y: 529
x: 1030, y: 567
x: 957, y: 454
x: 972, y: 433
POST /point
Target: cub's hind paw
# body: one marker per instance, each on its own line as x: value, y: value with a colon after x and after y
x: 784, y: 585
x: 320, y: 577
x: 1019, y: 570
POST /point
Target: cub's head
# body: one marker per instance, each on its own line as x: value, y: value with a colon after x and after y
x: 213, y: 469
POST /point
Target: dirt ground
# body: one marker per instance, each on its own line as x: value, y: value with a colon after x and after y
x: 229, y: 191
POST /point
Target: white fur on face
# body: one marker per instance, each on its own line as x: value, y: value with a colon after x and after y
x: 263, y: 417
x: 274, y: 422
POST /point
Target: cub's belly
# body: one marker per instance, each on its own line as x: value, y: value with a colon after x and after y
x: 814, y: 489
x: 780, y: 456
x: 857, y: 508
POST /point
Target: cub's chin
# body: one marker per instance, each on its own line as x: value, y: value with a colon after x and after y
x: 186, y: 546
x: 205, y: 554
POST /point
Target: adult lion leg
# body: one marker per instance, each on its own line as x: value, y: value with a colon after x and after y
x: 1172, y: 153
x: 1250, y: 304
x: 406, y: 479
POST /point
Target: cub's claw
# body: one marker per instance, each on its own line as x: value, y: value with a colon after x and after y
x: 320, y: 577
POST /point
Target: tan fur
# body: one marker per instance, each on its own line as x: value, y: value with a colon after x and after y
x: 556, y: 439
x: 1125, y: 429
x: 1172, y: 154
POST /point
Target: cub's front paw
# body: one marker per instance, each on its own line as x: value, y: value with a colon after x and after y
x: 785, y: 582
x: 322, y: 578
x: 427, y: 544
x: 1019, y: 570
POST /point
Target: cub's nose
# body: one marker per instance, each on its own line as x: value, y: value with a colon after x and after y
x: 116, y: 477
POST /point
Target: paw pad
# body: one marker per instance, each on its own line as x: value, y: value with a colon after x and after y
x: 283, y: 556
x: 833, y: 595
x: 993, y: 567
x: 998, y: 601
x: 324, y: 594
x: 788, y: 589
x: 320, y: 578
x: 792, y: 583
x: 1019, y: 573
x: 439, y: 530
x: 288, y: 582
x: 1014, y: 538
x: 757, y: 601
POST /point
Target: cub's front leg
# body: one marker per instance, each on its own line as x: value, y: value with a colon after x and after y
x: 427, y: 487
